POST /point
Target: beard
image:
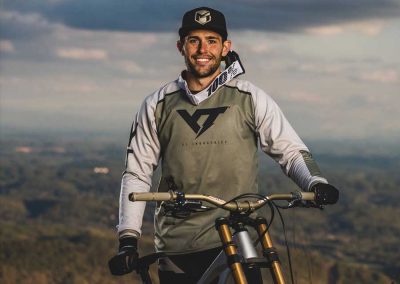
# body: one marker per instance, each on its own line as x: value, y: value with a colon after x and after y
x: 203, y: 72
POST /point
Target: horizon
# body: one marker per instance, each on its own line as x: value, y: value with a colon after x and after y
x: 340, y: 147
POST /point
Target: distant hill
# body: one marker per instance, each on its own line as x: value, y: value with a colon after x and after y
x: 58, y: 214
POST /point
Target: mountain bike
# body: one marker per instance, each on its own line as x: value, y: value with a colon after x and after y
x: 238, y: 250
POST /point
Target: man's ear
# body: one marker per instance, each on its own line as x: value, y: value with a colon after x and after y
x: 179, y: 45
x: 226, y: 47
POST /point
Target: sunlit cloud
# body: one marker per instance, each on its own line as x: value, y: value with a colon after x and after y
x: 325, y: 30
x: 367, y: 28
x: 82, y: 88
x: 130, y: 66
x: 82, y: 54
x: 329, y: 69
x: 134, y: 41
x: 6, y: 46
x: 305, y: 97
x: 381, y: 76
x: 261, y: 48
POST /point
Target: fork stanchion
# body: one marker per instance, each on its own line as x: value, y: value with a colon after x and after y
x: 230, y: 249
x: 269, y: 251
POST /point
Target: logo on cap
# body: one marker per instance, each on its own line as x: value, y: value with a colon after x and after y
x: 202, y: 17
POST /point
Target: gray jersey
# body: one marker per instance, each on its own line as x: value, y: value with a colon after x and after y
x: 206, y: 143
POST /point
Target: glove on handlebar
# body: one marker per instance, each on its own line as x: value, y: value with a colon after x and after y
x: 325, y: 193
x: 126, y: 259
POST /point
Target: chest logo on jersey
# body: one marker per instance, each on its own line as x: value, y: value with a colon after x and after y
x: 191, y: 120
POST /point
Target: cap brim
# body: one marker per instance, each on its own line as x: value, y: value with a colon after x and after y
x: 185, y: 30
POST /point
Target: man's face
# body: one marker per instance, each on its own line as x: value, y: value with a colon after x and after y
x: 203, y: 51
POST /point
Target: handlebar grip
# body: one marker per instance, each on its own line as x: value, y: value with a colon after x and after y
x: 308, y: 196
x: 151, y: 196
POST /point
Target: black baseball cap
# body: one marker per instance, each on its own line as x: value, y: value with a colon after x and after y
x: 203, y: 18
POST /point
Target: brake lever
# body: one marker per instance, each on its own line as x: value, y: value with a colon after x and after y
x: 304, y: 204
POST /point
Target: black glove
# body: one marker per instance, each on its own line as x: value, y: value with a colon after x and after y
x: 325, y: 193
x: 126, y: 260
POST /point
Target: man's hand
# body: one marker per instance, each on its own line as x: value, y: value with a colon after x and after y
x: 325, y: 193
x: 126, y: 260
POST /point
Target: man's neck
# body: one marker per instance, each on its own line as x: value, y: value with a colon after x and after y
x: 197, y: 84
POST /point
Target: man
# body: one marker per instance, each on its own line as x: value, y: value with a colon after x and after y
x: 204, y: 127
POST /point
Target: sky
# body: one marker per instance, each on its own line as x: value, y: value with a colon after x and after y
x: 333, y: 66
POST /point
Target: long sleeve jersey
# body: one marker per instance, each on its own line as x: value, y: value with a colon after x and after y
x: 206, y: 143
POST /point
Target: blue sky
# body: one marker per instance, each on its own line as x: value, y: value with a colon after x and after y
x: 332, y: 65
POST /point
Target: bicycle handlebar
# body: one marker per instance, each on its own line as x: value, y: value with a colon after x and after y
x: 235, y: 206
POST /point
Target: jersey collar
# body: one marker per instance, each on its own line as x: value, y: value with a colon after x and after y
x: 234, y: 70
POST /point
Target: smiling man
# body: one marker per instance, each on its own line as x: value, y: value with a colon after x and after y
x: 205, y: 128
x: 203, y: 52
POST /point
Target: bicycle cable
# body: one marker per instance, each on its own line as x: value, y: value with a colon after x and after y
x: 286, y: 242
x: 269, y: 223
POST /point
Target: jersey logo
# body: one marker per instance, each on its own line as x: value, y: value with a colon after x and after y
x: 191, y: 120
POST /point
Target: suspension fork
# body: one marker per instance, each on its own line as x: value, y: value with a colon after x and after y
x: 269, y: 251
x: 222, y: 226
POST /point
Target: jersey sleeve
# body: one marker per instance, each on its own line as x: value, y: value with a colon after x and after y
x: 280, y: 141
x: 142, y: 157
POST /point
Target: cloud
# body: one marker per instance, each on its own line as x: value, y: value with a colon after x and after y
x: 131, y: 67
x: 17, y: 25
x: 82, y: 54
x: 6, y: 46
x: 261, y: 48
x: 131, y: 42
x: 305, y: 97
x: 368, y: 28
x: 325, y: 30
x: 381, y: 76
x: 273, y: 15
x: 67, y: 69
x: 320, y: 68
